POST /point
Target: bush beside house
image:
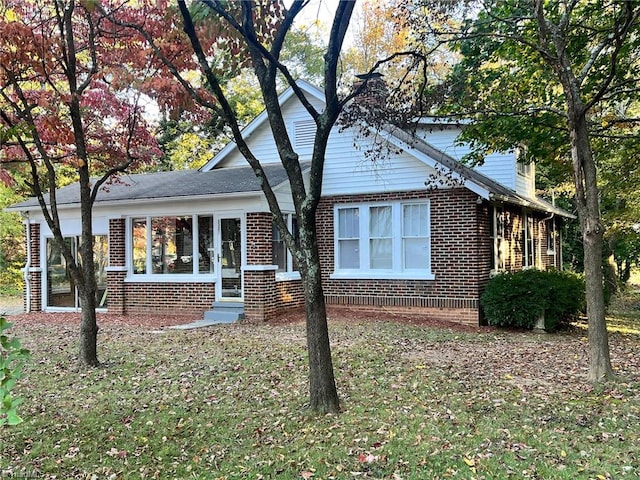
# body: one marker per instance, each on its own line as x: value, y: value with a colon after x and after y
x: 519, y: 299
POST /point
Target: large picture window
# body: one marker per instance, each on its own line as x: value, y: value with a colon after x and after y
x: 391, y: 240
x: 172, y: 245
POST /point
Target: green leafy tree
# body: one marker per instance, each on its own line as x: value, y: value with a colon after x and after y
x: 548, y: 78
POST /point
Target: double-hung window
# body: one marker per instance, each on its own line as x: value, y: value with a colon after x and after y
x: 383, y: 240
x: 281, y: 256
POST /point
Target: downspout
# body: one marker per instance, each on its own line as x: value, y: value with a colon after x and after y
x: 27, y: 265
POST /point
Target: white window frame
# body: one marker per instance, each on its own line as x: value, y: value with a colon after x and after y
x: 289, y: 273
x: 499, y: 239
x: 529, y: 241
x: 399, y: 270
x: 195, y: 274
x: 552, y: 235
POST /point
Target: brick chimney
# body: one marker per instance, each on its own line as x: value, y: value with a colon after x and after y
x: 374, y: 95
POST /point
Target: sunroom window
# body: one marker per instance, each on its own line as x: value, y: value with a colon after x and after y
x: 281, y: 256
x: 172, y: 245
x: 383, y: 240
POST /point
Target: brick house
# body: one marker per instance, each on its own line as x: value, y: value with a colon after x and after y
x: 196, y: 241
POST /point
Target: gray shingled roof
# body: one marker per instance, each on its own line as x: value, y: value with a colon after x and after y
x: 183, y: 183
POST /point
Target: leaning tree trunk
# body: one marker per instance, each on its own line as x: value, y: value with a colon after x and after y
x: 587, y: 197
x: 323, y: 395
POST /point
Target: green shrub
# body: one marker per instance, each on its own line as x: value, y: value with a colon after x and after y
x: 12, y: 358
x: 518, y: 299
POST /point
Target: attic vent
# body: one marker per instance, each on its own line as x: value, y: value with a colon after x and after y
x: 304, y: 131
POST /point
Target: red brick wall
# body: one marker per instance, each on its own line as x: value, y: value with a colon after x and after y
x: 264, y: 297
x: 170, y: 298
x: 455, y: 259
x: 259, y: 238
x: 117, y: 254
x: 35, y: 273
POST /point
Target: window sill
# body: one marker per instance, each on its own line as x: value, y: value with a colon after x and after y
x: 170, y: 278
x: 287, y: 276
x: 382, y: 276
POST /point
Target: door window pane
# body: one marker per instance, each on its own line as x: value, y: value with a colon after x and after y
x: 231, y: 257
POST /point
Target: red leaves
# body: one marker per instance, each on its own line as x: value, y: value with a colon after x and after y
x: 40, y: 83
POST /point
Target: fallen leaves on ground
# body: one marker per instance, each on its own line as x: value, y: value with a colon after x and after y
x: 420, y: 400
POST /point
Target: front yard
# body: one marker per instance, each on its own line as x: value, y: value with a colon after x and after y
x: 229, y: 402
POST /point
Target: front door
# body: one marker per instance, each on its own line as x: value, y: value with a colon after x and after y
x: 229, y: 259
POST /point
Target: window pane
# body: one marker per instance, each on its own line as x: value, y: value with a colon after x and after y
x: 381, y: 253
x: 279, y: 250
x: 349, y: 223
x: 380, y: 222
x: 172, y: 245
x: 416, y: 220
x: 101, y: 260
x: 205, y: 244
x: 416, y: 253
x: 139, y: 245
x: 349, y: 254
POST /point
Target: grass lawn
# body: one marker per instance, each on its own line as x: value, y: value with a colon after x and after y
x: 228, y: 402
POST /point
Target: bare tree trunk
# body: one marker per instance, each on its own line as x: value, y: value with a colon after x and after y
x: 86, y: 271
x: 323, y: 395
x: 587, y: 200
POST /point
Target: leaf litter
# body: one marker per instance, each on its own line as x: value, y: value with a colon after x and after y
x: 419, y: 401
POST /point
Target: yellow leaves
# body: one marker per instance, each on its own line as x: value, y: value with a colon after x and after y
x: 471, y: 463
x: 10, y: 15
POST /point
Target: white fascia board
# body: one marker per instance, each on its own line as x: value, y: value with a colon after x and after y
x: 426, y: 159
x: 150, y: 201
x: 254, y: 124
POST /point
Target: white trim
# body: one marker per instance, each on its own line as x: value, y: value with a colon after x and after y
x: 287, y: 276
x: 399, y: 271
x: 377, y: 275
x: 31, y: 269
x: 118, y: 268
x: 259, y: 268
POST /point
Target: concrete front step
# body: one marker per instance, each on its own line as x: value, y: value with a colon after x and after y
x: 223, y: 312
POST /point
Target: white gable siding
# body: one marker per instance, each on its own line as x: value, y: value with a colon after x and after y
x: 526, y: 185
x: 349, y: 171
x: 262, y: 143
x: 500, y: 167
